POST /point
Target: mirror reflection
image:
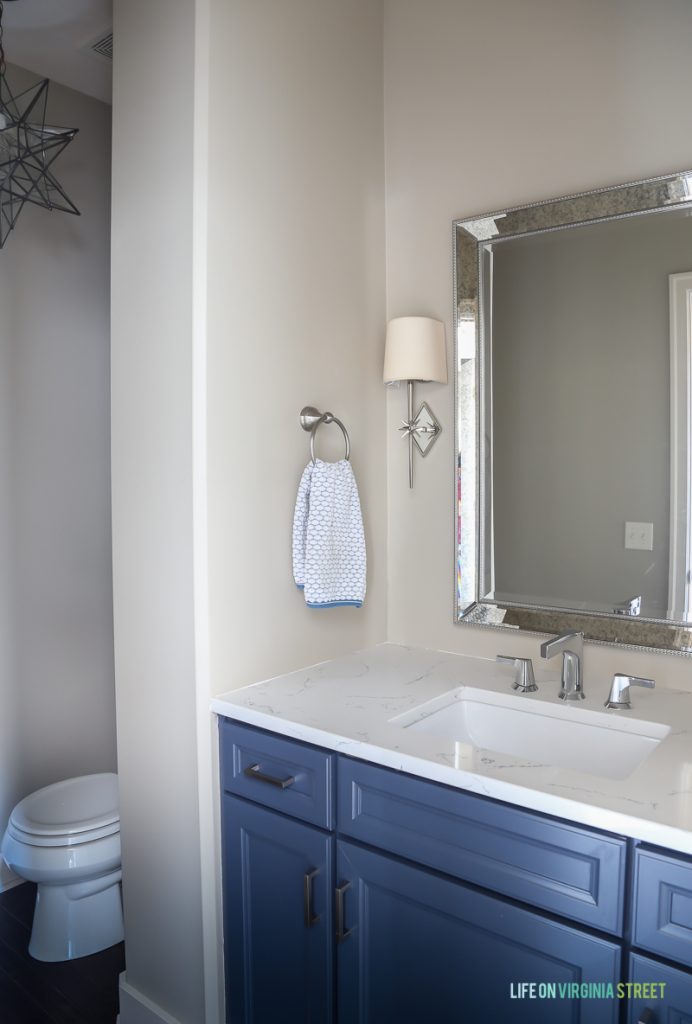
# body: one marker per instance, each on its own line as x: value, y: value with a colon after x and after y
x: 581, y: 395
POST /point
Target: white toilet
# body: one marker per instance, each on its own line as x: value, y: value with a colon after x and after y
x: 66, y: 837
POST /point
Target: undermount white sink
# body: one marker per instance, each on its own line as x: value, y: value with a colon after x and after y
x: 561, y: 735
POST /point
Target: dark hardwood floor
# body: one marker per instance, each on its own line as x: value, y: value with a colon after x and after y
x: 83, y: 991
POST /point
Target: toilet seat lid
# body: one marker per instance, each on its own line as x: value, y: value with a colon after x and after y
x: 70, y: 807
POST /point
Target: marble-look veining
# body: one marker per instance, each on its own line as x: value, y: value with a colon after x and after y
x: 347, y: 705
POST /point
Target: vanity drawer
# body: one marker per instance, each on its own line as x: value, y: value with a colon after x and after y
x: 280, y: 773
x: 570, y: 871
x: 663, y: 905
x: 669, y: 1003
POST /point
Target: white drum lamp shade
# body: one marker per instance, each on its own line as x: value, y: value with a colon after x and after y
x: 415, y: 350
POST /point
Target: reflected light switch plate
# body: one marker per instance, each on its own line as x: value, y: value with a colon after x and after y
x: 639, y: 536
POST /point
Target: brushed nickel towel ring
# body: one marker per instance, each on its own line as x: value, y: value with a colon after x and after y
x: 310, y: 419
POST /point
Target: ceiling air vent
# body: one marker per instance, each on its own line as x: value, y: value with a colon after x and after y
x: 102, y: 46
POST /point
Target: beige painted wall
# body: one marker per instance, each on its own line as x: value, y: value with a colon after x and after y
x: 295, y: 306
x: 296, y: 310
x: 152, y: 341
x: 486, y: 106
x: 60, y: 269
x: 9, y: 693
x: 56, y: 633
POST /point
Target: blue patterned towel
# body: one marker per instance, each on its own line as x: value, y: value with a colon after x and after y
x: 328, y: 539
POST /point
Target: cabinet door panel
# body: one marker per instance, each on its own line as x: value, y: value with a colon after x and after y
x: 425, y: 948
x: 277, y: 967
x: 675, y: 1003
x: 663, y: 904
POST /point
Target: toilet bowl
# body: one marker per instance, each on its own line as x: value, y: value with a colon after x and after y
x: 66, y: 838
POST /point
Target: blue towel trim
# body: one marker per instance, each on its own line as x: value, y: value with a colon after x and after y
x: 334, y: 604
x: 301, y: 586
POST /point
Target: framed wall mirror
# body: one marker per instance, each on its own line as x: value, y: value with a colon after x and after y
x: 573, y: 328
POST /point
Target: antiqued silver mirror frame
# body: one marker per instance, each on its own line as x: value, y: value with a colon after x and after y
x: 472, y: 316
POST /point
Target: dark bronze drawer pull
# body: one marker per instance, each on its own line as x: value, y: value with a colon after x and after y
x: 339, y: 898
x: 254, y: 771
x: 309, y: 917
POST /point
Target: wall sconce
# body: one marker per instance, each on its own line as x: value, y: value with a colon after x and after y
x: 415, y: 350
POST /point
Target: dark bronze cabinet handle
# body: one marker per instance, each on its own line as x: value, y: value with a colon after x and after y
x: 309, y: 917
x: 339, y: 895
x: 254, y: 771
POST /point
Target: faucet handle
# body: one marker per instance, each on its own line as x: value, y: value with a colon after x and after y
x: 524, y: 678
x: 619, y: 696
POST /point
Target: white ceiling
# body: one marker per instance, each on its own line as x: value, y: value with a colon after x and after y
x: 52, y: 37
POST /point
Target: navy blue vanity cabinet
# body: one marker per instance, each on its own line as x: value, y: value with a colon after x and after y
x: 669, y: 1005
x: 573, y: 872
x: 278, y: 878
x: 415, y: 946
x: 663, y: 904
x: 358, y: 894
x: 662, y: 926
x: 285, y: 775
x: 415, y: 934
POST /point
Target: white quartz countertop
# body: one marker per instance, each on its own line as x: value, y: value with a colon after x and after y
x: 348, y: 705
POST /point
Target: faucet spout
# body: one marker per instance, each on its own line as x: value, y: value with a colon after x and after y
x: 571, y: 647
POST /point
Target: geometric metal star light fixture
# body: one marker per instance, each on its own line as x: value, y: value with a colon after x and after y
x: 28, y: 147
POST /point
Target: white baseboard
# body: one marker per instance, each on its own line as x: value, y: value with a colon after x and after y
x: 135, y: 1008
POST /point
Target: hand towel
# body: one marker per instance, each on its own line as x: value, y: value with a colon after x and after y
x: 329, y: 561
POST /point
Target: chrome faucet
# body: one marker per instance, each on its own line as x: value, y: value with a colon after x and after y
x: 571, y: 647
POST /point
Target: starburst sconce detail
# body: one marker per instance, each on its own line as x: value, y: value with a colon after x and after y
x: 28, y: 147
x: 423, y: 430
